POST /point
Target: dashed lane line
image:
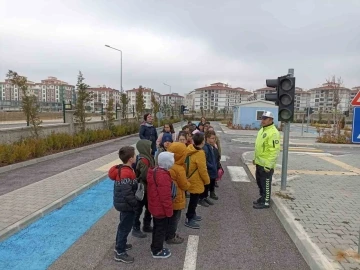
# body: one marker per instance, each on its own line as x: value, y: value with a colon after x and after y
x: 191, y: 252
x: 238, y: 174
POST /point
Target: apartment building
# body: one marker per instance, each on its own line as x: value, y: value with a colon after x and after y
x: 50, y: 93
x: 147, y: 92
x: 101, y: 97
x: 323, y: 97
x: 219, y: 96
x: 174, y: 100
x: 189, y: 101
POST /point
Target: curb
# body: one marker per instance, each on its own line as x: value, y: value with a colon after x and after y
x: 309, y: 251
x: 14, y: 228
x: 61, y: 154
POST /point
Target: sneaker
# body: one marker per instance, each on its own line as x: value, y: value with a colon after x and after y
x: 124, y: 257
x: 163, y: 254
x: 213, y: 196
x: 148, y: 229
x: 203, y: 203
x: 257, y: 201
x: 208, y: 201
x: 176, y: 240
x: 127, y: 247
x: 197, y: 218
x: 216, y: 184
x: 261, y: 206
x: 191, y: 224
x: 136, y: 232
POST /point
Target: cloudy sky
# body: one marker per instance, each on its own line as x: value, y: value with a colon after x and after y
x: 187, y: 44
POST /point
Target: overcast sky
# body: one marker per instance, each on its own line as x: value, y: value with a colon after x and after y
x: 187, y: 44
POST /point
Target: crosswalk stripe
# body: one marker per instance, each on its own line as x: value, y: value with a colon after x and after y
x: 238, y: 174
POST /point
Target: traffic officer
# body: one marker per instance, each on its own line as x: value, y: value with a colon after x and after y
x: 267, y: 148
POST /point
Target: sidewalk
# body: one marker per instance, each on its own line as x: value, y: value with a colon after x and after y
x: 320, y: 209
x: 25, y: 205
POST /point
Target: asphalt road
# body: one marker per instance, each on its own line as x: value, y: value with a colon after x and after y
x: 232, y: 236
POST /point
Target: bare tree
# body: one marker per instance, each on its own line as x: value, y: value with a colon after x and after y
x: 124, y: 105
x: 155, y: 105
x: 140, y: 103
x: 30, y: 105
x: 336, y: 85
x: 109, y: 115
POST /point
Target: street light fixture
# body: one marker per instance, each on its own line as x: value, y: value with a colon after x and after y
x: 121, y: 88
x: 169, y: 86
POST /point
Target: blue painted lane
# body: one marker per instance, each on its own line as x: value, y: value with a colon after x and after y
x: 41, y: 243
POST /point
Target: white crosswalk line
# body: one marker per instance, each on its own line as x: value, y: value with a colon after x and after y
x: 238, y: 174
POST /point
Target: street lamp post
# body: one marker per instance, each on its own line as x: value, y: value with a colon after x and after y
x: 121, y: 88
x: 169, y: 86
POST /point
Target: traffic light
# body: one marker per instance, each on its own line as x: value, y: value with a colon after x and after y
x: 182, y: 109
x: 346, y: 113
x: 284, y: 97
x: 307, y: 111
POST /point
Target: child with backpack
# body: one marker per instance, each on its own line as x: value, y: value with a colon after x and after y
x: 212, y: 167
x: 197, y: 174
x: 168, y: 128
x: 125, y: 186
x: 144, y: 162
x: 178, y: 175
x: 160, y: 202
x: 166, y: 140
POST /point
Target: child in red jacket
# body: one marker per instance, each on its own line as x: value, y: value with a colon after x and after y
x: 125, y: 185
x: 160, y: 202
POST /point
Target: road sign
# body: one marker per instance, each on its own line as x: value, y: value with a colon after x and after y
x: 355, y: 137
x: 356, y: 100
x: 159, y: 115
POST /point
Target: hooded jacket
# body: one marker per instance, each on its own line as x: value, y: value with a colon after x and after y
x: 144, y: 149
x: 159, y: 187
x: 178, y: 174
x: 211, y: 162
x: 148, y: 132
x: 198, y: 169
x: 125, y: 185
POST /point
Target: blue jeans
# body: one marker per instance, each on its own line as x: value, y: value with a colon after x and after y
x: 124, y: 228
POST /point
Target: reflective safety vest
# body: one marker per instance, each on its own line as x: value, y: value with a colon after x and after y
x: 267, y: 146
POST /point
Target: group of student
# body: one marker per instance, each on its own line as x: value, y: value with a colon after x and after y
x: 186, y: 165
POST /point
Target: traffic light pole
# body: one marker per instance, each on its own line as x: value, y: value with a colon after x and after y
x: 285, y: 147
x: 308, y: 119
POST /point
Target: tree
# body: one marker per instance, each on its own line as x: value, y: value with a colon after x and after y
x: 214, y: 112
x: 83, y: 97
x: 202, y: 111
x: 140, y: 103
x: 109, y: 114
x: 29, y: 104
x: 124, y: 105
x: 155, y: 105
x: 320, y: 115
x: 336, y: 85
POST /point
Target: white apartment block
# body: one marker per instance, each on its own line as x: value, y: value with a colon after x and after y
x: 147, y: 93
x: 218, y: 96
x: 101, y: 97
x: 50, y: 92
x: 189, y: 101
x: 174, y: 100
x: 322, y: 98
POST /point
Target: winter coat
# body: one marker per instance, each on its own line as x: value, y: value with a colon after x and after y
x: 158, y: 141
x: 149, y: 132
x: 198, y: 169
x: 211, y: 162
x: 159, y: 193
x: 125, y: 186
x: 178, y: 174
x: 146, y: 161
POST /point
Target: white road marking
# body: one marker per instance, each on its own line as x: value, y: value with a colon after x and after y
x: 224, y: 158
x: 191, y: 252
x: 238, y: 174
x: 218, y: 131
